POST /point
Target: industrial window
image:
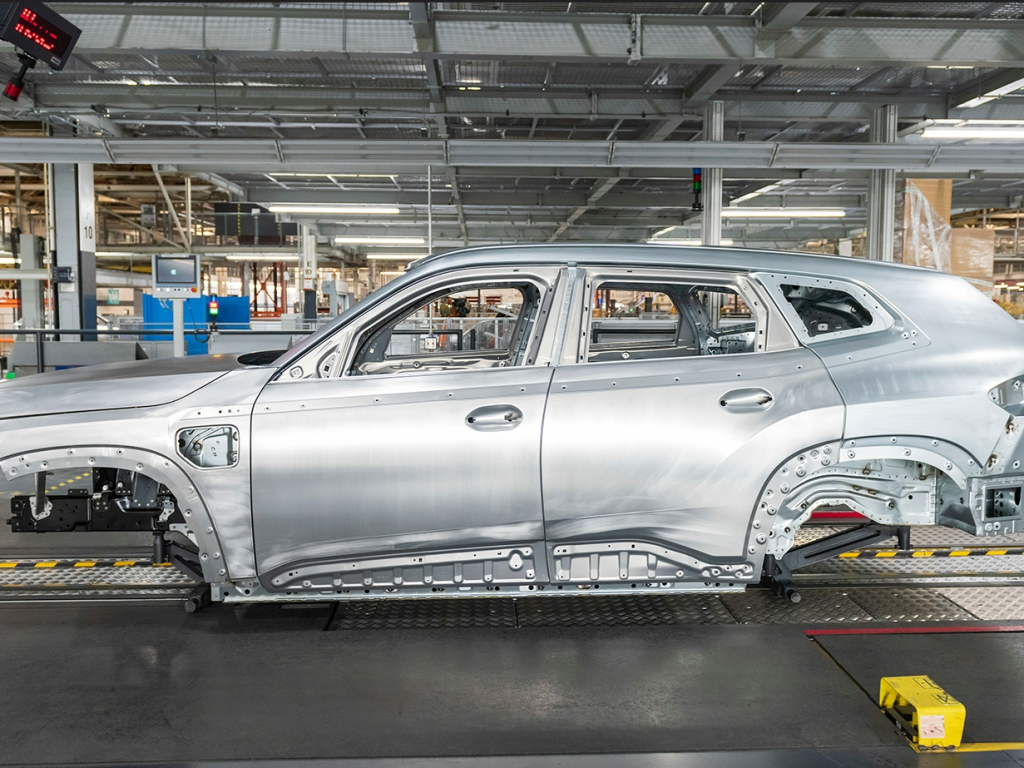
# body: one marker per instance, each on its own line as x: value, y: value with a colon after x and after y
x: 480, y: 326
x: 653, y: 321
x: 826, y: 310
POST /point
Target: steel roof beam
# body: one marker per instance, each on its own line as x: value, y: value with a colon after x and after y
x: 545, y: 36
x: 320, y: 156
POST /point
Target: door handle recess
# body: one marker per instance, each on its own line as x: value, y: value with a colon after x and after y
x: 746, y: 400
x: 493, y: 418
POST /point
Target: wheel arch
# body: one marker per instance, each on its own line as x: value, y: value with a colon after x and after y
x: 161, y: 468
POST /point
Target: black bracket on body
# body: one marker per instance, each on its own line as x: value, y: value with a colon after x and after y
x: 778, y: 571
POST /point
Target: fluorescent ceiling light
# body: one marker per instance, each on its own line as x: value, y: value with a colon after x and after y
x: 685, y: 241
x: 783, y: 213
x: 392, y: 273
x: 324, y: 209
x: 973, y: 133
x: 367, y: 240
x: 995, y: 93
x: 333, y: 175
x: 253, y: 257
x: 395, y: 256
x: 9, y: 260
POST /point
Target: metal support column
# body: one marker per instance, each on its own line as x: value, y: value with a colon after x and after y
x: 711, y: 218
x: 882, y: 190
x: 30, y: 248
x: 307, y: 266
x: 74, y: 198
x: 178, y: 326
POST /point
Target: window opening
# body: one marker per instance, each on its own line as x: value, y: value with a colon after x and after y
x: 480, y: 326
x: 826, y: 310
x: 653, y: 321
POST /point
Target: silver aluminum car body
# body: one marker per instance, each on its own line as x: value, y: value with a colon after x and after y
x: 622, y: 475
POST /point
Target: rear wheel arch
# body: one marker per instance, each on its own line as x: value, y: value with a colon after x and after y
x: 892, y: 479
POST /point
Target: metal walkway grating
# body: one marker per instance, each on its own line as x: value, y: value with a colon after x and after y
x: 867, y: 605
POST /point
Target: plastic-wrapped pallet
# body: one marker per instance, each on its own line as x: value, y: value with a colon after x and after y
x: 972, y: 257
x: 923, y: 233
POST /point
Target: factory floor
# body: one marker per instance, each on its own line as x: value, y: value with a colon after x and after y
x: 650, y: 682
x: 116, y: 683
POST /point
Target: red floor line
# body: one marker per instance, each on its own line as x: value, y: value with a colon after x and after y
x: 915, y: 630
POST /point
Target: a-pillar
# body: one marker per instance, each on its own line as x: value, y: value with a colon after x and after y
x: 882, y: 190
x: 74, y: 209
x: 307, y: 266
x: 711, y: 218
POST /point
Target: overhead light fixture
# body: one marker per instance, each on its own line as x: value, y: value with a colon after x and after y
x: 254, y: 256
x: 685, y: 241
x: 971, y: 132
x: 331, y: 209
x: 995, y: 93
x: 9, y: 261
x: 368, y: 240
x: 395, y: 256
x: 783, y: 213
x: 282, y: 174
x: 392, y: 273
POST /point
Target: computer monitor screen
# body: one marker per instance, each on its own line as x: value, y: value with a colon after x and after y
x: 175, y: 270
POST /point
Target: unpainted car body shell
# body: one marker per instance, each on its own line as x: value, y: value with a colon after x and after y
x: 372, y: 486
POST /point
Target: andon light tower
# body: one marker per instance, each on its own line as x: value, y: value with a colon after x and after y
x: 40, y: 35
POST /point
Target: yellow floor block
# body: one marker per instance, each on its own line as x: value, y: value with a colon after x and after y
x: 937, y: 717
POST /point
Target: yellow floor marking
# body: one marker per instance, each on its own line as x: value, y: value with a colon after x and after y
x: 8, y: 565
x: 79, y: 477
x: 53, y: 487
x: 161, y: 565
x: 885, y: 554
x: 84, y: 565
x: 996, y: 552
x: 926, y: 553
x: 124, y: 563
x: 51, y: 564
x: 849, y: 554
x: 960, y: 553
x: 61, y: 484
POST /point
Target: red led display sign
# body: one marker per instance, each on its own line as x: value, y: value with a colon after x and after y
x: 41, y: 33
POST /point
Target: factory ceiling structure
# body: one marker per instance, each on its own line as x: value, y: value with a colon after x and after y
x: 530, y: 122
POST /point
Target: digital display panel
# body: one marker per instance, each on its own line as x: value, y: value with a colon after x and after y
x: 173, y: 270
x: 40, y: 32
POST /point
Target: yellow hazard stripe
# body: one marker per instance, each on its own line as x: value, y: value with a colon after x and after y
x: 923, y: 553
x: 50, y: 564
x: 124, y: 563
x: 8, y: 565
x: 85, y: 565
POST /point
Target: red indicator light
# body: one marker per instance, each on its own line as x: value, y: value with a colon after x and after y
x: 12, y: 91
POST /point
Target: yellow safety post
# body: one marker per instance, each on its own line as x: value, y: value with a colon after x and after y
x: 931, y: 717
